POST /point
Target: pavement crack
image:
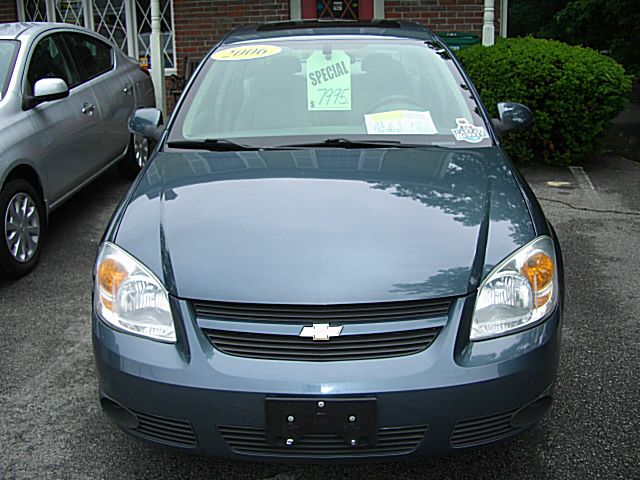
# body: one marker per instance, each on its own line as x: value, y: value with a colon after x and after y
x: 587, y: 209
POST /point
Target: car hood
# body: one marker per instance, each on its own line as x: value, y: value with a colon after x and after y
x: 324, y: 226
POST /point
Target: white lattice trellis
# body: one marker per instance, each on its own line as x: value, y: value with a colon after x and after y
x: 127, y: 23
x: 70, y: 11
x: 35, y: 10
x: 110, y: 21
x: 166, y: 24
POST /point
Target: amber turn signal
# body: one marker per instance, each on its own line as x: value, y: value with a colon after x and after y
x: 111, y: 274
x: 538, y: 269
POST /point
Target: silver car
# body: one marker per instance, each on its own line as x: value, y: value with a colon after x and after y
x: 65, y: 97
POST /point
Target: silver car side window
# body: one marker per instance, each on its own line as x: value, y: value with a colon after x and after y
x: 50, y: 60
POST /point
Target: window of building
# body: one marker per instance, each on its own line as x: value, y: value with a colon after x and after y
x: 127, y: 23
x: 70, y: 11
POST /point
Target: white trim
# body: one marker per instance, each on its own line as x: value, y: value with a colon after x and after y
x: 157, y: 57
x: 87, y: 8
x: 51, y: 10
x: 20, y: 9
x: 173, y: 39
x: 295, y: 10
x: 378, y: 8
x: 131, y: 25
x: 488, y: 27
x: 167, y: 71
x: 504, y: 18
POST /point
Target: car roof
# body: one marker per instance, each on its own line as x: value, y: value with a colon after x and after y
x: 12, y: 31
x: 394, y: 28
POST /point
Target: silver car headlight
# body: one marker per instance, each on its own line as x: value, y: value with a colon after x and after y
x: 520, y: 291
x: 130, y: 297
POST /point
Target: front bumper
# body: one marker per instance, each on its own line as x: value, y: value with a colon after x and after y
x: 451, y: 396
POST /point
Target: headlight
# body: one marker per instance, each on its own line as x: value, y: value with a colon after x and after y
x: 129, y: 297
x: 520, y: 291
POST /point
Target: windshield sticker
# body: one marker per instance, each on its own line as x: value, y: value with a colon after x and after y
x: 400, y: 122
x: 246, y: 53
x: 329, y: 81
x: 468, y: 132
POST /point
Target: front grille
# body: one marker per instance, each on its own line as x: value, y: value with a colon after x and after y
x: 165, y: 430
x: 391, y: 441
x: 356, y: 312
x: 477, y: 431
x: 347, y: 347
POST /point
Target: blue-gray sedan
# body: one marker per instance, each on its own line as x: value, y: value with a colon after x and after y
x: 329, y: 257
x: 65, y: 96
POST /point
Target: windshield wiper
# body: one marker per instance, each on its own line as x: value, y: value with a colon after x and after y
x: 346, y: 143
x: 215, y: 145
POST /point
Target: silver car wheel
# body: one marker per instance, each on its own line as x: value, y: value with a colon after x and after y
x: 22, y: 227
x: 140, y: 150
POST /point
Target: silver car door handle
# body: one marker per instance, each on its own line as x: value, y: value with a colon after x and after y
x: 88, y: 108
x: 128, y: 88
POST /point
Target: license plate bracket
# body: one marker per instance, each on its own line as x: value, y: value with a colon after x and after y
x: 288, y: 420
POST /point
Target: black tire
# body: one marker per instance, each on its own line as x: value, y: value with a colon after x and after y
x: 130, y: 166
x: 9, y: 265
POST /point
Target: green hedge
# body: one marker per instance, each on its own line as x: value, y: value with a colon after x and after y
x: 574, y: 93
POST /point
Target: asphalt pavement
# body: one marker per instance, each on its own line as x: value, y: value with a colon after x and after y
x: 51, y: 425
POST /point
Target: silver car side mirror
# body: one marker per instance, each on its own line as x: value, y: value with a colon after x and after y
x: 45, y: 90
x: 146, y: 122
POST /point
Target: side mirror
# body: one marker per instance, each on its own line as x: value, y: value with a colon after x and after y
x: 146, y: 122
x: 46, y: 90
x: 513, y: 116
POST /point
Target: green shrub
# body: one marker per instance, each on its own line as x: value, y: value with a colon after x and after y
x: 574, y: 93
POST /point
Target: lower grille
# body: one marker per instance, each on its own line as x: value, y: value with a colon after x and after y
x: 477, y: 431
x: 165, y: 430
x: 347, y: 347
x: 391, y: 441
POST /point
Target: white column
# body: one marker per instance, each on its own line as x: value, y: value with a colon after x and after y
x: 51, y: 10
x: 504, y: 18
x: 131, y: 22
x: 20, y: 8
x: 157, y: 58
x: 295, y: 12
x: 378, y: 8
x: 87, y: 8
x: 488, y: 29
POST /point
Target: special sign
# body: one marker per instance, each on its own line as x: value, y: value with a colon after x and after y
x: 329, y: 81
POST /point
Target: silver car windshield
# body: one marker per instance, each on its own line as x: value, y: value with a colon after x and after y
x: 332, y: 86
x: 8, y: 50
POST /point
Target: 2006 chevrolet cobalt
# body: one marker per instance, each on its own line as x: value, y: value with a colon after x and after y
x: 329, y: 256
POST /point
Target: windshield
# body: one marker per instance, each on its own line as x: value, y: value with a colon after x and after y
x: 277, y: 92
x: 8, y: 51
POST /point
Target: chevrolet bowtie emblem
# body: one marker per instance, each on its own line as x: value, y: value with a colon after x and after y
x: 321, y: 331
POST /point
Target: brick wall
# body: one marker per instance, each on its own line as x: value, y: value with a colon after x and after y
x: 199, y: 24
x: 8, y: 11
x: 442, y: 15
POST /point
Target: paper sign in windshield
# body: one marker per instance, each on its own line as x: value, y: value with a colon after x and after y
x: 329, y: 81
x: 400, y: 122
x: 248, y: 52
x: 468, y: 132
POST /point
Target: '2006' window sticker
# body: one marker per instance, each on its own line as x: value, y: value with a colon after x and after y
x: 400, y: 122
x: 248, y: 52
x: 466, y: 131
x: 329, y: 81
